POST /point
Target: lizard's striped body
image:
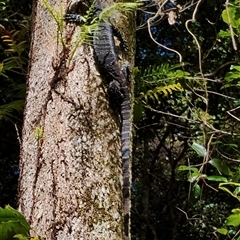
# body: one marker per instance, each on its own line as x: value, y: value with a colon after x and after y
x: 104, y: 46
x: 105, y: 52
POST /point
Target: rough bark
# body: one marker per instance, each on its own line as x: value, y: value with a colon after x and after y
x: 70, y: 171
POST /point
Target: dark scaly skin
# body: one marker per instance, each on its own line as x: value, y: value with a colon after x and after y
x: 104, y: 46
x: 118, y: 90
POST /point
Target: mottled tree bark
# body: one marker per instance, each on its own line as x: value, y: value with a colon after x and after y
x: 70, y: 168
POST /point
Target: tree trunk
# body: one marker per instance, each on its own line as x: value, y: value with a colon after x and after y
x: 70, y: 184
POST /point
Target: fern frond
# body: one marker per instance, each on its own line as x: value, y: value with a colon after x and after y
x: 87, y: 30
x: 154, y: 94
x: 55, y: 14
x: 120, y: 6
x: 14, y: 49
x: 2, y: 70
x: 164, y: 71
x: 154, y: 72
x: 20, y: 91
x: 7, y: 110
x: 58, y: 17
x: 84, y: 37
x: 6, y: 36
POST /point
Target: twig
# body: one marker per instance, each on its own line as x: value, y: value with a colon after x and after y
x: 210, y: 186
x: 200, y: 96
x: 228, y: 158
x: 234, y: 237
x: 206, y: 157
x: 151, y: 19
x: 222, y: 66
x: 230, y: 27
x: 219, y: 94
x: 198, y: 45
x: 173, y: 115
x: 232, y: 114
x: 186, y: 214
x: 18, y: 136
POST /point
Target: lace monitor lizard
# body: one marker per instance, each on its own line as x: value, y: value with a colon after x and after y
x: 116, y: 77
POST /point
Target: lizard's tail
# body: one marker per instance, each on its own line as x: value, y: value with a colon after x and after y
x: 125, y: 132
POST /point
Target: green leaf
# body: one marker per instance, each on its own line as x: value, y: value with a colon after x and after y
x: 181, y: 74
x: 226, y: 86
x: 195, y: 193
x: 217, y: 178
x: 230, y: 76
x: 12, y: 222
x: 237, y: 191
x: 221, y: 166
x: 234, y: 219
x: 222, y: 187
x: 223, y: 231
x: 21, y: 237
x: 236, y: 210
x: 187, y: 168
x: 199, y: 149
x: 38, y: 132
x: 236, y: 68
x: 195, y: 175
x: 224, y: 34
x: 229, y: 17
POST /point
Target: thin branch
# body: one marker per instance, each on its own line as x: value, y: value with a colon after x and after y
x: 230, y: 27
x: 219, y: 94
x: 151, y: 19
x: 232, y: 114
x: 199, y: 52
x: 200, y: 96
x: 210, y: 186
x: 18, y: 136
x: 206, y: 157
x: 237, y: 234
x: 146, y: 126
x: 186, y: 77
x: 228, y: 158
x: 198, y: 45
x: 196, y: 121
x: 186, y: 214
x: 173, y: 115
x: 222, y: 66
x: 219, y: 131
